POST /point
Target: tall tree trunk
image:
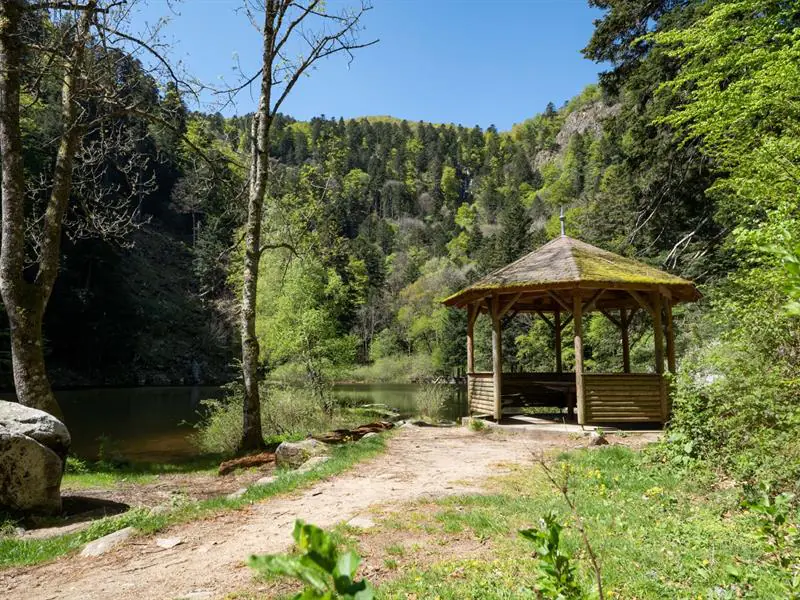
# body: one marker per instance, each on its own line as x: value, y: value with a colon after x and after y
x: 25, y: 301
x: 252, y: 437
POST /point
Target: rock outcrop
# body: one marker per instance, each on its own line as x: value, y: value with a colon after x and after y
x: 33, y: 450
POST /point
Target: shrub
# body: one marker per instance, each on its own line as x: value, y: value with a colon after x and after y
x: 395, y: 369
x: 430, y: 401
x: 286, y: 412
x: 477, y: 425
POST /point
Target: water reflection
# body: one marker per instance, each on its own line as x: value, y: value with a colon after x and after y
x: 154, y: 423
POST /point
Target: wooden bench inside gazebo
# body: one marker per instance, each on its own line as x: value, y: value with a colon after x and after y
x: 561, y: 282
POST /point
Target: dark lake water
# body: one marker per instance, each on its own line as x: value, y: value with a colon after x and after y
x: 155, y: 423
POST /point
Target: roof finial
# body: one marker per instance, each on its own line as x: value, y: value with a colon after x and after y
x: 563, y: 220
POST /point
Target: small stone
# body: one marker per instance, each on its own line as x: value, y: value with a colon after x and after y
x: 371, y: 434
x: 361, y: 522
x: 168, y: 543
x: 237, y: 494
x: 597, y: 438
x: 106, y: 543
x: 265, y: 480
x: 311, y: 463
x: 197, y: 595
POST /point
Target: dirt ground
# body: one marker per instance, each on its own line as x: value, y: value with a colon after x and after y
x: 419, y: 463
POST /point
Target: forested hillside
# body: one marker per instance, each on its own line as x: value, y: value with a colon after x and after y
x: 384, y: 218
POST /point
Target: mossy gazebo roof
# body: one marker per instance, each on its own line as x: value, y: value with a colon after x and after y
x: 569, y: 264
x: 572, y: 278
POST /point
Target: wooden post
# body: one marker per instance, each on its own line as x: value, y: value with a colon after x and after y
x: 670, y: 340
x: 557, y: 329
x: 658, y: 333
x: 472, y: 314
x: 626, y: 342
x: 658, y: 338
x: 577, y: 321
x: 497, y: 358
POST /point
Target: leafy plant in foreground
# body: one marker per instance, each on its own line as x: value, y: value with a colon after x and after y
x: 556, y: 577
x: 326, y: 572
x: 780, y: 535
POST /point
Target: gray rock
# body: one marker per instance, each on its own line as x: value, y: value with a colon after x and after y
x: 294, y: 454
x: 371, y: 434
x: 30, y: 475
x: 168, y: 543
x: 106, y: 543
x: 312, y: 462
x: 597, y: 438
x: 237, y: 494
x: 197, y: 595
x: 265, y: 480
x: 36, y: 424
x: 361, y: 522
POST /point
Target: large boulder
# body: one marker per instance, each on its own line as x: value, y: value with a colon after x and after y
x: 33, y: 450
x: 294, y: 454
x: 37, y: 424
x: 30, y: 475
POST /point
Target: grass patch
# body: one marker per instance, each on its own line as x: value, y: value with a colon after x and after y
x: 81, y: 474
x: 659, y: 533
x: 15, y: 552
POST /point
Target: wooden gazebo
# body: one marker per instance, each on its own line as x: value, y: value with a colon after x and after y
x: 560, y: 282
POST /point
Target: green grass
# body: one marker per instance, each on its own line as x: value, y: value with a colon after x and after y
x: 658, y: 534
x: 16, y: 552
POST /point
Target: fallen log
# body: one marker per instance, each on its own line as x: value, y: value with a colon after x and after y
x: 247, y: 462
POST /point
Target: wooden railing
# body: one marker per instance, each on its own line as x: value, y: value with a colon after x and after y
x: 608, y: 397
x: 624, y: 397
x: 480, y: 391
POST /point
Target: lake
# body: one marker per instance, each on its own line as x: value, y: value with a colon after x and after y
x: 154, y: 423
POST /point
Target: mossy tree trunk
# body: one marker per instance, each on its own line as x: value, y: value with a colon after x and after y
x: 26, y: 289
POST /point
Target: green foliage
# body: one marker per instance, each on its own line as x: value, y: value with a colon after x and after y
x: 300, y: 307
x: 287, y: 412
x: 557, y: 577
x: 431, y: 400
x: 736, y: 399
x: 778, y: 528
x: 477, y: 425
x: 325, y: 571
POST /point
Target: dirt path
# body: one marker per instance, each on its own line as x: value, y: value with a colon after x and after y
x: 419, y: 463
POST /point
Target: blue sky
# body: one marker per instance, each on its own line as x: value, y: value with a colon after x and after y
x: 473, y: 62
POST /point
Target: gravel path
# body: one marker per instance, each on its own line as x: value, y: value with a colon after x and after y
x: 209, y: 563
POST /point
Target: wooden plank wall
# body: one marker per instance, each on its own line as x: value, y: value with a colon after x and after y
x: 621, y: 398
x: 480, y: 388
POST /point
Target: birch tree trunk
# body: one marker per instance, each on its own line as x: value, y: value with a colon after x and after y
x: 284, y: 21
